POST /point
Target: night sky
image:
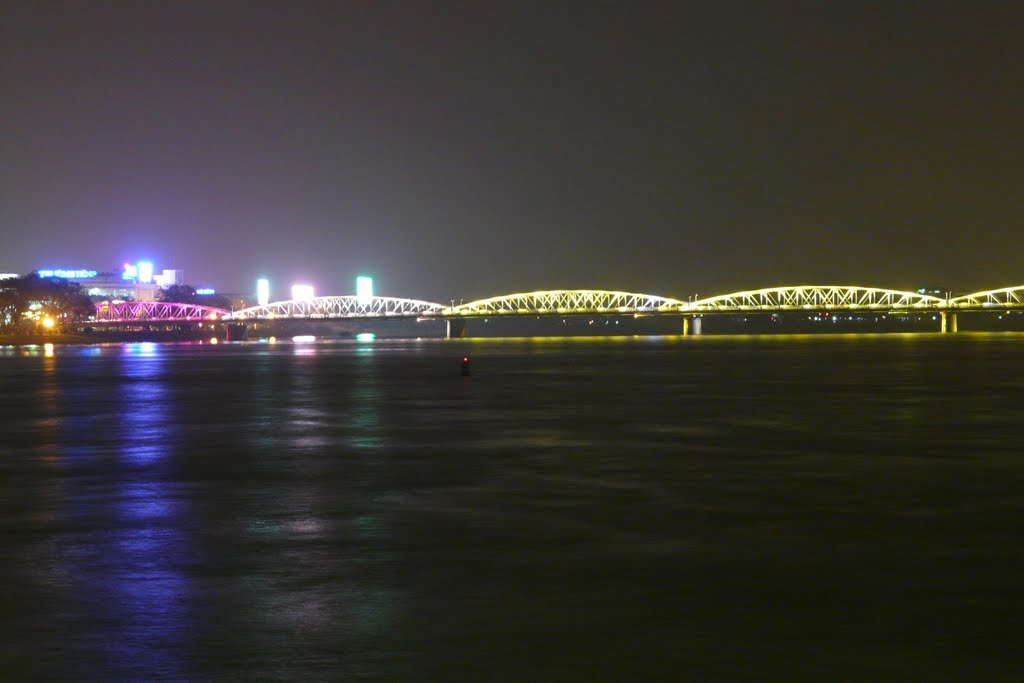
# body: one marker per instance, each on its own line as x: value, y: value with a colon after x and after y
x: 479, y: 148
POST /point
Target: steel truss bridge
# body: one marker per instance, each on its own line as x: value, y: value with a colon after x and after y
x: 563, y: 302
x: 155, y: 311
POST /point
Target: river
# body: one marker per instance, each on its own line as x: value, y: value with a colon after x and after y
x: 815, y: 507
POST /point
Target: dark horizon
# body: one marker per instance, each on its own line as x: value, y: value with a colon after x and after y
x: 471, y: 150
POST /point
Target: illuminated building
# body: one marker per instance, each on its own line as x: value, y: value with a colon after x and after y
x: 135, y: 282
x: 364, y: 290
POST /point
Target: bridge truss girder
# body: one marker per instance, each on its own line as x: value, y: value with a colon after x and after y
x: 150, y: 311
x: 810, y: 297
x: 567, y: 302
x: 339, y: 307
x: 570, y: 302
x: 1008, y: 297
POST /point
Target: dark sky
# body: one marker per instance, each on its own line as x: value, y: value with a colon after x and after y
x: 479, y: 148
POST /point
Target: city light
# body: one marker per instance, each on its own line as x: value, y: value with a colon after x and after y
x: 67, y: 274
x: 145, y: 269
x: 206, y: 291
x: 48, y: 323
x: 131, y: 272
x: 302, y: 292
x: 168, y: 278
x: 364, y: 290
x: 263, y: 291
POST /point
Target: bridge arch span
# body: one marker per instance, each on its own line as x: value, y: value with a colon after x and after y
x: 567, y: 302
x: 833, y: 297
x: 145, y: 311
x: 1007, y: 297
x: 339, y: 307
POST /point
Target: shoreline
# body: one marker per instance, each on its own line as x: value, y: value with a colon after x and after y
x: 42, y: 339
x: 60, y: 339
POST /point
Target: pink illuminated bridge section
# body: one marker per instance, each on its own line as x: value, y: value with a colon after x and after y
x: 147, y: 311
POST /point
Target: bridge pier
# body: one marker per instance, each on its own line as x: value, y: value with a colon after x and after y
x: 235, y: 331
x: 456, y: 328
x: 948, y: 322
x: 691, y: 325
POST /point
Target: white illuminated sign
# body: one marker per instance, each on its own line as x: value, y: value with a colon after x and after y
x: 145, y: 269
x: 302, y: 292
x: 68, y: 274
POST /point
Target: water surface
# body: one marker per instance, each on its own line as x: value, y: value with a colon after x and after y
x: 728, y: 508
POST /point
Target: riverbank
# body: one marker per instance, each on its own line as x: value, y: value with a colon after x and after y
x: 40, y: 339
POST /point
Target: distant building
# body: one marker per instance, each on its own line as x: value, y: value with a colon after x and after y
x: 137, y: 282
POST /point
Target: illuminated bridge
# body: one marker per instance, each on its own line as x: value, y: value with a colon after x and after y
x: 567, y: 302
x: 155, y: 311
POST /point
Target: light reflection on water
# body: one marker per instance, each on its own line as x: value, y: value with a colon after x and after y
x: 364, y: 404
x: 143, y: 584
x: 144, y: 406
x: 576, y: 509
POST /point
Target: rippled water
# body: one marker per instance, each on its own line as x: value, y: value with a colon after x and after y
x: 731, y: 508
